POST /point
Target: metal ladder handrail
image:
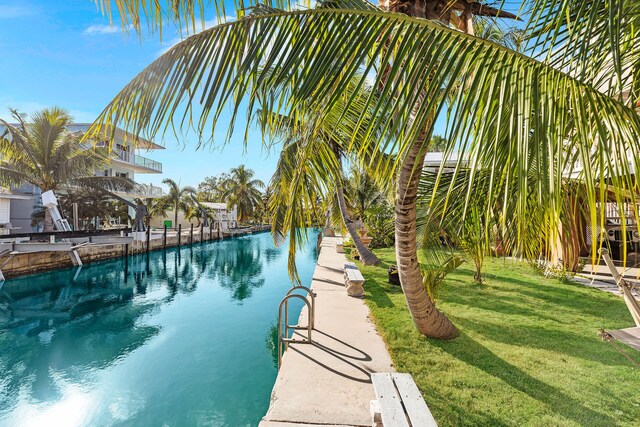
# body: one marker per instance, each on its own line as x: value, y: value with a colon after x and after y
x: 313, y: 301
x: 284, y: 341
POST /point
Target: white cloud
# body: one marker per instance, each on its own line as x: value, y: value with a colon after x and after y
x: 7, y: 11
x: 105, y: 29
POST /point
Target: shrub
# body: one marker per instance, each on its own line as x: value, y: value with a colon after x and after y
x: 379, y: 221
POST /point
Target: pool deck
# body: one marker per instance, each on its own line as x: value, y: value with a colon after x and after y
x: 328, y: 382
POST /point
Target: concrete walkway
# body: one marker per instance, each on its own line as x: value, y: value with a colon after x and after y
x: 329, y: 382
x: 599, y: 277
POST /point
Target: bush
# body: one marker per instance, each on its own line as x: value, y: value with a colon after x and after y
x: 379, y: 221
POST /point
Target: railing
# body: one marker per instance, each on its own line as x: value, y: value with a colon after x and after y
x: 146, y: 190
x: 45, y: 236
x: 138, y: 160
x: 284, y: 336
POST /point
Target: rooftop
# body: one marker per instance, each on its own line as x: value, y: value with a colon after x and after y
x: 136, y: 140
x: 215, y: 206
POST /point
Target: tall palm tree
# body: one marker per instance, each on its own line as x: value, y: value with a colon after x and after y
x: 243, y: 191
x: 511, y: 114
x: 178, y: 198
x: 45, y: 154
x: 316, y: 153
x: 363, y: 192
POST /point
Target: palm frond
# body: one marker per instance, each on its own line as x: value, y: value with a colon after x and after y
x: 513, y: 116
x: 596, y: 41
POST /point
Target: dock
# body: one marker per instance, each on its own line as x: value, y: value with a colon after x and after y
x: 328, y: 382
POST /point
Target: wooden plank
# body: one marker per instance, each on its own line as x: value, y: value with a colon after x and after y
x: 350, y: 266
x: 629, y: 336
x: 417, y: 409
x: 389, y: 400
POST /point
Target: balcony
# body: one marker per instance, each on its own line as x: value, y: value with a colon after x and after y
x: 144, y: 191
x: 146, y: 164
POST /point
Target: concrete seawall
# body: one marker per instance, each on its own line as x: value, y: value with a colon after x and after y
x: 328, y: 382
x: 35, y: 262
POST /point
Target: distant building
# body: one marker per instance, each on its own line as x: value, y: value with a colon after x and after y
x: 435, y: 160
x: 226, y: 218
x: 125, y: 162
x: 7, y: 198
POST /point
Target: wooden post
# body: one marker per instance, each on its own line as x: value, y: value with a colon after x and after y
x: 201, y: 233
x: 191, y: 235
x: 179, y: 234
x: 211, y: 231
x: 164, y: 237
x: 148, y: 237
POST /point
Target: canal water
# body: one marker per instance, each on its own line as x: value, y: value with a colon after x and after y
x: 177, y: 338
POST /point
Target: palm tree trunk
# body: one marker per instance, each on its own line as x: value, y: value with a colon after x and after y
x: 366, y: 256
x: 48, y: 221
x: 328, y: 229
x: 428, y: 319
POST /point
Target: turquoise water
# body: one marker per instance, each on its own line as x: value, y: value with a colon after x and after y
x: 183, y: 339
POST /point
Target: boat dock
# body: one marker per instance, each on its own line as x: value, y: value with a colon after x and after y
x: 328, y: 382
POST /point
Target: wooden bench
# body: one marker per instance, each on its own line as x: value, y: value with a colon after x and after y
x: 353, y: 280
x: 399, y: 402
x: 340, y: 246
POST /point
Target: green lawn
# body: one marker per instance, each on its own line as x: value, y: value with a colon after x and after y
x: 528, y: 353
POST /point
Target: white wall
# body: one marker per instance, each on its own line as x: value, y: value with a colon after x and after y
x: 158, y: 221
x: 230, y: 220
x: 5, y: 211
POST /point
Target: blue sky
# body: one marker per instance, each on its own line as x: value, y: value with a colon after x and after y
x: 64, y: 52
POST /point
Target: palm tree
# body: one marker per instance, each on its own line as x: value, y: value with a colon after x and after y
x: 154, y: 207
x: 363, y: 192
x: 438, y: 143
x: 316, y: 154
x: 178, y: 198
x: 511, y: 114
x: 92, y: 205
x: 243, y: 191
x: 45, y: 154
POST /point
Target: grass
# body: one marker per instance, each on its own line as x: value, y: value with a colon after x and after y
x: 528, y: 352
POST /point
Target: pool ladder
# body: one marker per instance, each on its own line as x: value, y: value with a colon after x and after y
x: 284, y: 327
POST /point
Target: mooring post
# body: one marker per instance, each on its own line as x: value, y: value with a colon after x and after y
x: 164, y: 237
x: 148, y: 237
x: 179, y: 234
x: 201, y: 233
x: 191, y: 235
x: 210, y: 231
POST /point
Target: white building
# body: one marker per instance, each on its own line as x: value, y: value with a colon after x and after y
x: 225, y: 217
x: 7, y: 197
x: 126, y: 162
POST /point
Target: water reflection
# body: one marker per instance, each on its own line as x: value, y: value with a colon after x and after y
x: 239, y: 269
x: 70, y: 326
